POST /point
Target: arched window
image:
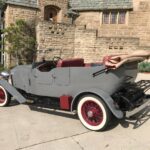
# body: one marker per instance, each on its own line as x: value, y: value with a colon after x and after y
x: 51, y: 13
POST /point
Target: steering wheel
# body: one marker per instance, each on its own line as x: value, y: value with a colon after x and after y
x: 56, y: 59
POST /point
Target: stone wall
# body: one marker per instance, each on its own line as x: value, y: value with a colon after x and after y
x: 69, y: 41
x: 55, y: 35
x: 91, y: 19
x: 91, y: 47
x: 138, y: 27
x: 62, y: 4
x: 141, y: 5
x: 137, y: 23
x: 14, y: 12
x: 93, y: 39
x: 55, y: 40
x: 90, y: 38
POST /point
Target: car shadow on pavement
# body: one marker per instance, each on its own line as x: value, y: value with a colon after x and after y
x: 113, y: 124
x: 14, y: 103
x: 136, y: 120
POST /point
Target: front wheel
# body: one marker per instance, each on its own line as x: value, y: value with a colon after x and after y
x: 4, y: 97
x: 93, y: 113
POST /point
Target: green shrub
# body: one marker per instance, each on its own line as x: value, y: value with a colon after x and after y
x: 144, y: 67
x: 2, y: 68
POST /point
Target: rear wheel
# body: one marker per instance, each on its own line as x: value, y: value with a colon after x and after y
x: 93, y: 113
x: 4, y: 97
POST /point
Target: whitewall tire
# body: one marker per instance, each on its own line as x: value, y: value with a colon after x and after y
x: 4, y: 97
x: 93, y: 113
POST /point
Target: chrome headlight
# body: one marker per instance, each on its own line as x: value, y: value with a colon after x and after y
x: 4, y: 74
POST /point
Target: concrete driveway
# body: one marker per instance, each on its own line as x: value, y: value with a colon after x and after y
x: 32, y: 128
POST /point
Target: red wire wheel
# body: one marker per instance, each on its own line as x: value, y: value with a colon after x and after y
x: 93, y: 113
x: 4, y: 97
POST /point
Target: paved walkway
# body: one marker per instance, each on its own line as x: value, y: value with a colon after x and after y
x: 30, y: 128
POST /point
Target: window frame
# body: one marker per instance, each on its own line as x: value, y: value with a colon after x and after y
x: 117, y: 17
x: 105, y: 20
x: 113, y: 18
x: 124, y: 19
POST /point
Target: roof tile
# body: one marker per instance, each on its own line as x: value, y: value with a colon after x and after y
x: 28, y: 3
x: 100, y: 4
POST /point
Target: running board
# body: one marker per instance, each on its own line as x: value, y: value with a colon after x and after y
x: 12, y: 90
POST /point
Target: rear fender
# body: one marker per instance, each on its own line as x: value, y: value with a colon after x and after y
x: 105, y: 97
x: 12, y: 91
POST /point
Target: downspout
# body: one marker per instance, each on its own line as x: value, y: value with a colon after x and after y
x: 2, y: 9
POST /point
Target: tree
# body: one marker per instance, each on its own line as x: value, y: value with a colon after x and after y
x: 20, y: 41
x: 2, y: 3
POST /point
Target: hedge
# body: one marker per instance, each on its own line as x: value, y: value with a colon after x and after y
x: 144, y: 67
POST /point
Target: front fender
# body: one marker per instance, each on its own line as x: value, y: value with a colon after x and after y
x: 106, y: 98
x: 12, y: 90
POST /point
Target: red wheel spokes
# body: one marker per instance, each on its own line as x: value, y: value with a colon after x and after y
x: 92, y: 113
x: 2, y: 96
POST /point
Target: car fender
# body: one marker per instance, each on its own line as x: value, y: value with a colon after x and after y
x: 12, y: 91
x: 105, y: 97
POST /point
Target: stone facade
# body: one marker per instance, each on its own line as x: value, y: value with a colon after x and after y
x: 55, y: 40
x: 92, y: 47
x: 97, y: 39
x: 87, y: 37
x: 61, y: 4
x: 13, y: 13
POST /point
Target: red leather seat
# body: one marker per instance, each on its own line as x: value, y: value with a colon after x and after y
x: 88, y: 64
x: 76, y: 62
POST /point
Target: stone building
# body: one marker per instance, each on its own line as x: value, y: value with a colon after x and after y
x: 85, y: 28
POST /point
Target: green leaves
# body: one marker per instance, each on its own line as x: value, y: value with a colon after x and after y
x: 144, y: 67
x: 2, y: 3
x: 20, y: 40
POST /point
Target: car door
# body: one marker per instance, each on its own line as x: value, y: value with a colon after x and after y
x: 50, y: 83
x: 61, y: 76
x: 40, y: 82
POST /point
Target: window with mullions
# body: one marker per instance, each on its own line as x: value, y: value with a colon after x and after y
x: 121, y: 18
x: 106, y: 18
x: 114, y: 17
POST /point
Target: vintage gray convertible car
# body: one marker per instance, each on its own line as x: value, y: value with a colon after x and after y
x: 91, y: 90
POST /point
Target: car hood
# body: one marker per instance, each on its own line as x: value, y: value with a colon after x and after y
x: 20, y: 67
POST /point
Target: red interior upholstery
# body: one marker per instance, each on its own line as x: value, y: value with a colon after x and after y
x: 77, y: 62
x: 88, y: 64
x: 93, y: 64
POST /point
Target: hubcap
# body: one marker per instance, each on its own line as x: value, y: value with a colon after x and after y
x: 92, y: 113
x: 2, y: 96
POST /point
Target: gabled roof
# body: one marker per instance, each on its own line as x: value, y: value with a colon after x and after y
x: 28, y: 3
x: 100, y: 4
x: 82, y: 4
x: 120, y: 4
